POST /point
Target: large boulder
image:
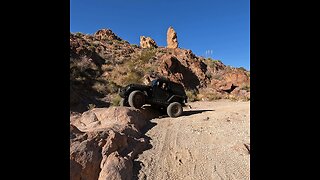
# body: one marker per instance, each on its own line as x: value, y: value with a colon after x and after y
x: 172, y: 39
x: 147, y: 42
x: 104, y: 142
x: 92, y: 154
x: 121, y: 119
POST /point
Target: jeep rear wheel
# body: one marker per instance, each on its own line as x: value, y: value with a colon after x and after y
x: 174, y: 109
x: 136, y: 99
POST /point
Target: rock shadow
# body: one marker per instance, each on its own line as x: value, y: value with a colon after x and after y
x: 137, y: 165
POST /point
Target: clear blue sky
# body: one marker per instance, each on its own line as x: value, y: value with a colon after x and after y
x: 220, y: 26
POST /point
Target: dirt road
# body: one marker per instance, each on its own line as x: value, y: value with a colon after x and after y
x: 210, y: 141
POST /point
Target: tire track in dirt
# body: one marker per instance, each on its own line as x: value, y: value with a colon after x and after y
x: 207, y: 142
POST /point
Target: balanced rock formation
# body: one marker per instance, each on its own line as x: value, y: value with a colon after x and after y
x: 147, y: 42
x: 106, y: 34
x: 172, y: 39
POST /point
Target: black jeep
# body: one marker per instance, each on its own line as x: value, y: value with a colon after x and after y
x: 160, y: 93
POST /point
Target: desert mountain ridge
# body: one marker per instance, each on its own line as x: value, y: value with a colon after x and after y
x: 102, y: 63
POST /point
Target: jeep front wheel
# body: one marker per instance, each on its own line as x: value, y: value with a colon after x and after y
x: 174, y: 109
x: 136, y: 99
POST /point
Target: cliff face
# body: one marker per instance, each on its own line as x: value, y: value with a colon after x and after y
x: 103, y: 62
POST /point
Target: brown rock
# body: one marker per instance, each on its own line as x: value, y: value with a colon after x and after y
x: 75, y: 169
x: 121, y: 119
x: 147, y: 42
x: 115, y: 142
x: 90, y: 151
x: 85, y: 156
x: 116, y: 167
x: 106, y: 34
x: 172, y: 39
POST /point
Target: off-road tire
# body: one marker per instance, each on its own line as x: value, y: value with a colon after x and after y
x: 124, y: 103
x: 136, y: 99
x: 174, y: 109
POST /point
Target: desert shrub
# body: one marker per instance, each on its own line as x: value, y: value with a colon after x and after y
x: 131, y: 64
x: 232, y: 97
x: 119, y: 61
x: 100, y: 87
x: 116, y: 100
x: 218, y: 77
x: 91, y: 48
x: 133, y: 77
x: 135, y: 45
x: 208, y: 74
x: 113, y: 87
x: 242, y: 68
x: 246, y: 99
x: 209, y: 95
x: 107, y: 67
x: 213, y: 96
x: 78, y: 34
x: 211, y: 62
x: 147, y: 54
x: 96, y: 43
x: 91, y: 106
x: 245, y: 87
x: 105, y: 87
x: 192, y: 95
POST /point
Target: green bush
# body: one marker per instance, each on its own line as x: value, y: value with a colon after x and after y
x: 116, y: 100
x: 133, y: 77
x: 100, y: 87
x: 113, y: 87
x: 79, y: 34
x: 135, y: 45
x: 91, y: 106
x: 147, y: 54
x: 245, y: 87
x: 213, y: 96
x: 242, y: 68
x: 192, y: 95
x: 208, y: 74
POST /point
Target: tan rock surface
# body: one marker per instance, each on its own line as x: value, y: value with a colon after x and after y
x: 172, y: 39
x: 147, y: 42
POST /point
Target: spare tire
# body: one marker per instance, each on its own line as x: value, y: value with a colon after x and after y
x: 136, y: 99
x: 174, y: 109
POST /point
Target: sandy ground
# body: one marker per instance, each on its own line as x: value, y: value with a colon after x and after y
x: 210, y: 141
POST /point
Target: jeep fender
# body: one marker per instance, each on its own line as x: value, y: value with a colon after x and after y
x: 176, y: 98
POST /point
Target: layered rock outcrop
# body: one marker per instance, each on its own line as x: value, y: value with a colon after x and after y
x: 106, y: 34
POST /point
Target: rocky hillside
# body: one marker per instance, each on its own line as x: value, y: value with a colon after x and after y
x: 103, y: 62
